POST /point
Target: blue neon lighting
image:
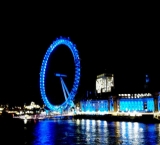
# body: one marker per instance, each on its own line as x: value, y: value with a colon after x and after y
x: 125, y: 105
x: 147, y: 79
x: 72, y: 47
x: 94, y: 106
x: 159, y: 103
x: 64, y: 92
x: 60, y: 75
x: 136, y: 105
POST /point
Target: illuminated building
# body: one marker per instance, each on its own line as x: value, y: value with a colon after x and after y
x: 31, y: 106
x: 94, y: 106
x: 104, y: 83
x: 107, y: 101
x: 136, y: 102
x: 145, y: 102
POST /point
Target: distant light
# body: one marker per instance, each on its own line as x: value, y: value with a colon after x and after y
x: 25, y: 121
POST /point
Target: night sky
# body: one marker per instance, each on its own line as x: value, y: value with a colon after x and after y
x: 125, y: 43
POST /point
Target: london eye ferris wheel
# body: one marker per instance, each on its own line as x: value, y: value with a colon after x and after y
x: 69, y: 96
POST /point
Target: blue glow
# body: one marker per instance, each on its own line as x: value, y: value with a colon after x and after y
x: 44, y: 133
x: 73, y: 92
x: 111, y: 105
x: 94, y: 106
x: 64, y: 92
x: 60, y: 75
x: 136, y: 105
x: 147, y: 79
x: 158, y: 103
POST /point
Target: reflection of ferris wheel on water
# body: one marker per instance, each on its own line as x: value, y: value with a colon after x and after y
x: 69, y: 96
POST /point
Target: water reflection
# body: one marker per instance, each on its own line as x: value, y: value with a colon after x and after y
x: 95, y: 132
x: 25, y: 121
x: 44, y: 133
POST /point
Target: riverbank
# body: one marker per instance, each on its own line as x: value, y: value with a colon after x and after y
x: 148, y: 118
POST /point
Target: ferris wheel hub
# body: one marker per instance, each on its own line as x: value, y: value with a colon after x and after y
x: 60, y: 75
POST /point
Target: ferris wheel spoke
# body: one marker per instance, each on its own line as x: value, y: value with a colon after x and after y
x: 66, y: 88
x: 70, y: 101
x: 63, y: 89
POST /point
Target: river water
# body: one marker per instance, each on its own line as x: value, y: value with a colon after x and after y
x: 84, y: 132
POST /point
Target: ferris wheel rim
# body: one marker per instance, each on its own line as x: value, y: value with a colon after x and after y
x: 72, y: 47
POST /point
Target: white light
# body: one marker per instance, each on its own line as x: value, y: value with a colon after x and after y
x: 132, y: 114
x: 25, y: 121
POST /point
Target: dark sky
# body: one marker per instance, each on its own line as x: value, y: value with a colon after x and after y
x: 123, y: 42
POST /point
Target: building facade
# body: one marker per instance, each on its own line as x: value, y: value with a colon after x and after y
x: 106, y: 101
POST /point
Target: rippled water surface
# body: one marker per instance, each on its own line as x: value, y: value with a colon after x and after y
x: 90, y: 132
x: 94, y: 132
